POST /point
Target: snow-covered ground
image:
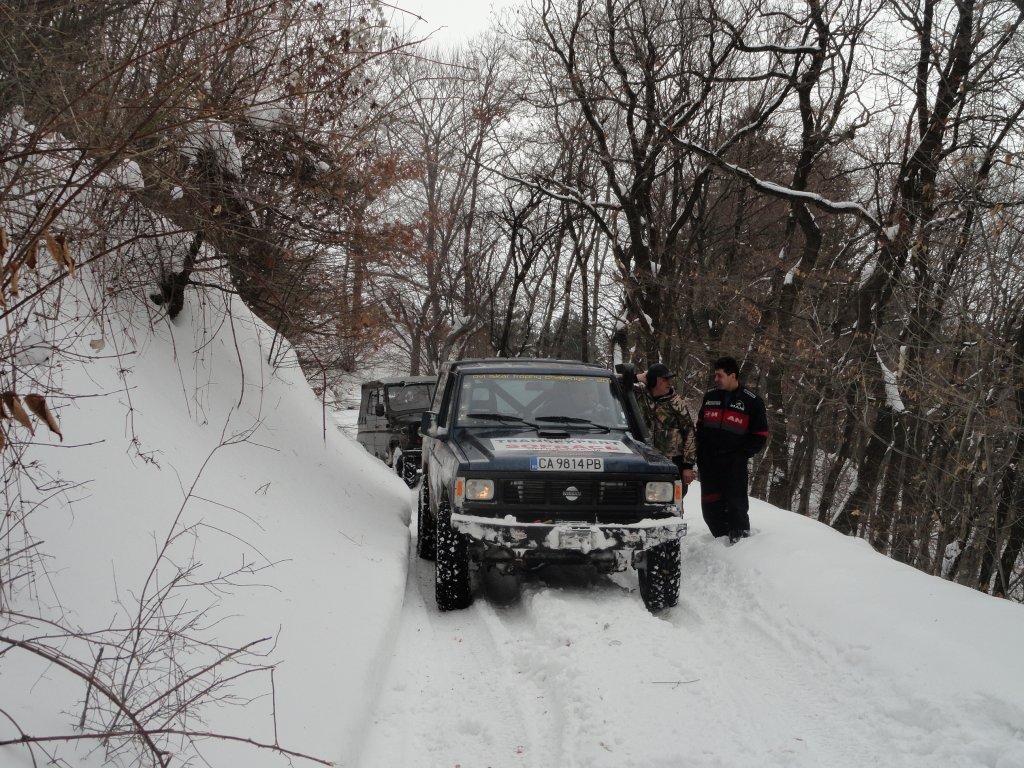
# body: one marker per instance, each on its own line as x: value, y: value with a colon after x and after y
x: 184, y: 430
x: 794, y: 647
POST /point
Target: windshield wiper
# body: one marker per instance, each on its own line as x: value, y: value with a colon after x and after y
x: 506, y: 417
x: 573, y: 420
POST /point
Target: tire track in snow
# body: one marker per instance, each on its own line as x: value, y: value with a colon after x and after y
x: 583, y: 676
x: 769, y: 690
x: 453, y: 695
x: 540, y: 739
x: 606, y: 660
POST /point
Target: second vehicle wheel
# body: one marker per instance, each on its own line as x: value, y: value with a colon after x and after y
x: 452, y: 586
x: 659, y: 578
x: 426, y: 526
x: 408, y: 470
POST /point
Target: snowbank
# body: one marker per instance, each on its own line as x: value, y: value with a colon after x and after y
x: 185, y: 431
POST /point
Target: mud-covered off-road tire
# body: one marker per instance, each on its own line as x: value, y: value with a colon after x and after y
x: 408, y: 469
x: 659, y: 580
x: 426, y: 526
x: 452, y: 586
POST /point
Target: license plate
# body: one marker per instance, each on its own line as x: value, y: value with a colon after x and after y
x: 566, y: 464
x: 579, y: 539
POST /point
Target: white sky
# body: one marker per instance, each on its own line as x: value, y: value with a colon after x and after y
x: 450, y: 21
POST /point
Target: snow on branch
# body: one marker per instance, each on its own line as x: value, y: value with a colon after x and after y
x: 892, y: 390
x: 779, y: 190
x: 218, y: 139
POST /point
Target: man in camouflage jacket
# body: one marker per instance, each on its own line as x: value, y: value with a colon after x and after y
x: 672, y: 430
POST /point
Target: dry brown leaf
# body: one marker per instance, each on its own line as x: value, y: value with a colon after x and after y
x: 14, y: 280
x: 97, y: 344
x: 4, y: 242
x: 37, y: 404
x: 30, y: 255
x: 1, y: 439
x: 57, y: 245
x: 3, y: 409
x: 13, y: 403
x: 66, y: 253
x: 53, y: 247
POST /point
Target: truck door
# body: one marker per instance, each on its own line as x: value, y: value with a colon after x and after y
x: 377, y: 423
x: 362, y: 426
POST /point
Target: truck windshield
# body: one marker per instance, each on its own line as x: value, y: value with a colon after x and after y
x: 411, y: 397
x: 508, y: 398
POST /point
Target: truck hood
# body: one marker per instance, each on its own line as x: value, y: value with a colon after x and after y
x: 504, y: 450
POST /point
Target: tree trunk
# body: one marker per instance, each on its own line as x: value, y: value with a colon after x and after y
x: 861, y: 502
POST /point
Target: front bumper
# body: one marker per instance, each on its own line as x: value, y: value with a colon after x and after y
x: 569, y: 536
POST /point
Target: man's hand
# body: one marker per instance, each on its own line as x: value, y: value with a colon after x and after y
x: 685, y: 472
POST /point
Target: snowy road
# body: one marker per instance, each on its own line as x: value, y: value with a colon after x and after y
x: 579, y: 674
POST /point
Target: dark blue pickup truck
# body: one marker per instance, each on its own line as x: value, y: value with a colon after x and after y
x: 528, y: 462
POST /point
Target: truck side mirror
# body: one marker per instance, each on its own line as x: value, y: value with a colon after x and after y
x: 427, y: 422
x: 379, y: 410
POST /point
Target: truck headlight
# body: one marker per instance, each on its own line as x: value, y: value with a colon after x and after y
x: 479, y: 490
x: 660, y: 493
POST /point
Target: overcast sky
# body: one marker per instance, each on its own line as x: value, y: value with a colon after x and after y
x: 450, y: 21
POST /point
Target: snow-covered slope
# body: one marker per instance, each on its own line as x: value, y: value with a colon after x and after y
x: 184, y: 430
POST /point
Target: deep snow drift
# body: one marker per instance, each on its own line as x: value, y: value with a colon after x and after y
x: 319, y: 527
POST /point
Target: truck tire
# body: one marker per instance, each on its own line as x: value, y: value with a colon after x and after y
x: 408, y: 470
x: 452, y: 587
x: 426, y: 526
x: 659, y: 579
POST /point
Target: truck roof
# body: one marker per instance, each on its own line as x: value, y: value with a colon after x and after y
x: 518, y: 364
x: 392, y: 381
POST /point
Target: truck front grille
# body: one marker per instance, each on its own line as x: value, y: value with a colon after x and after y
x: 620, y: 493
x: 581, y: 493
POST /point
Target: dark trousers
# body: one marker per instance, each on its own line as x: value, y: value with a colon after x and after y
x: 723, y: 494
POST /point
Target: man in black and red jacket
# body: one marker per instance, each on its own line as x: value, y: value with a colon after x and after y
x: 732, y: 426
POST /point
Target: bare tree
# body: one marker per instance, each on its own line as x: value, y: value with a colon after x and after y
x: 818, y: 189
x: 454, y: 103
x: 161, y: 146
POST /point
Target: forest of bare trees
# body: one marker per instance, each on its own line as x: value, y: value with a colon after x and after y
x: 829, y: 191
